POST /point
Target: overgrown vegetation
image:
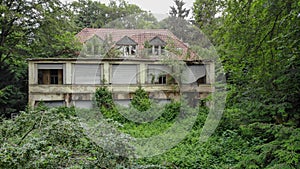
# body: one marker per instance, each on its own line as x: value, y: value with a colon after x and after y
x: 258, y: 42
x: 104, y: 98
x: 141, y: 100
x: 55, y: 138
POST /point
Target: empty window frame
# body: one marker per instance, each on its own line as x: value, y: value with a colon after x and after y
x: 128, y: 50
x: 158, y: 50
x: 50, y: 74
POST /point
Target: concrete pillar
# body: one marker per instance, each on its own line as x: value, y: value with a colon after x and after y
x: 68, y: 73
x: 153, y: 50
x: 210, y: 69
x: 106, y: 74
x: 142, y: 73
x: 32, y: 72
x: 159, y: 50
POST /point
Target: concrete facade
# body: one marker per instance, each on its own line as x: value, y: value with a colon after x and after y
x: 73, y: 81
x: 69, y: 92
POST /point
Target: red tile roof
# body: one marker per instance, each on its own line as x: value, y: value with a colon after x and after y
x: 138, y: 35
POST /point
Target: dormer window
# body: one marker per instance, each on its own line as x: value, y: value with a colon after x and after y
x: 127, y: 46
x: 93, y: 46
x: 158, y: 45
x: 128, y: 50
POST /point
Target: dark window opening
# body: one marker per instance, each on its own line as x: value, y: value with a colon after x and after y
x: 158, y: 50
x: 129, y: 50
x: 162, y: 79
x: 52, y: 76
x: 202, y: 80
x: 162, y: 50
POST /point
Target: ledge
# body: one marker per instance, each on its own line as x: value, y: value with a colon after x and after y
x: 60, y: 89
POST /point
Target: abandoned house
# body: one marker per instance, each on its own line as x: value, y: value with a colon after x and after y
x: 122, y: 60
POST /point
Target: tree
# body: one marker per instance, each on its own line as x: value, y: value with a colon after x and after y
x: 185, y: 31
x: 259, y: 46
x: 208, y: 16
x: 104, y: 98
x: 90, y: 14
x: 142, y: 20
x: 260, y: 54
x: 205, y: 11
x: 178, y: 10
x: 30, y: 29
x: 94, y: 14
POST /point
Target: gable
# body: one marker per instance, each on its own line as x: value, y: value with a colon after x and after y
x: 156, y: 41
x: 126, y: 41
x: 94, y: 39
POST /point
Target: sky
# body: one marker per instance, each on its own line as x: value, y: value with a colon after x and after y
x: 154, y: 6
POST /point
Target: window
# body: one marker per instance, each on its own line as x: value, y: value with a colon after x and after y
x: 124, y: 74
x: 193, y: 73
x: 157, y: 74
x: 93, y: 46
x: 86, y: 74
x: 127, y: 46
x: 158, y: 50
x: 54, y: 77
x: 162, y: 79
x: 50, y: 74
x: 128, y: 50
x: 157, y: 45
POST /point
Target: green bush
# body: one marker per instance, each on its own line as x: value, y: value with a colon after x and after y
x: 55, y: 138
x: 114, y: 114
x: 171, y: 110
x: 141, y: 100
x: 103, y: 98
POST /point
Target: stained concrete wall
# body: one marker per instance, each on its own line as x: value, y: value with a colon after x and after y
x: 69, y: 92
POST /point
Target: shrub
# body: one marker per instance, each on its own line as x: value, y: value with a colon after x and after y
x: 103, y: 98
x: 171, y: 110
x: 141, y: 100
x: 55, y: 139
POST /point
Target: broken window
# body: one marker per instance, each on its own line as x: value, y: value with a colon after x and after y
x: 158, y: 50
x: 157, y: 74
x: 194, y: 73
x: 128, y: 50
x: 127, y: 45
x: 201, y: 80
x: 50, y: 74
x: 158, y: 45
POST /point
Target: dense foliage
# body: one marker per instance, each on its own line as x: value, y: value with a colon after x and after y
x: 45, y: 29
x: 178, y: 10
x: 258, y: 43
x: 259, y: 47
x: 104, y: 98
x: 54, y: 138
x: 141, y: 100
x: 30, y: 29
x: 94, y: 14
